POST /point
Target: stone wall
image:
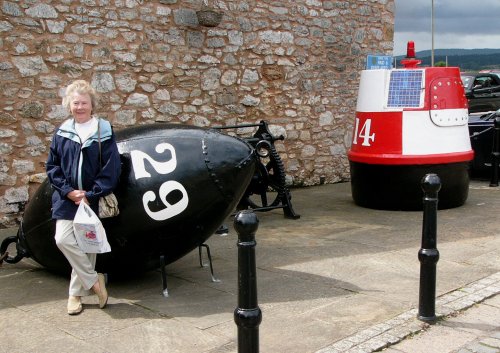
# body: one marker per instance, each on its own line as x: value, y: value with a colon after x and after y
x: 293, y: 63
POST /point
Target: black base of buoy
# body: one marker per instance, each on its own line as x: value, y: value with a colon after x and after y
x: 397, y: 187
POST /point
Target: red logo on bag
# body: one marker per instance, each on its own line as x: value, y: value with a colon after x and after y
x: 90, y: 235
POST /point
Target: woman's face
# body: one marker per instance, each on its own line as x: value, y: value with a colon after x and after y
x: 81, y: 107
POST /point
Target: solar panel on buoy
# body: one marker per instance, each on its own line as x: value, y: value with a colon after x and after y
x: 406, y: 89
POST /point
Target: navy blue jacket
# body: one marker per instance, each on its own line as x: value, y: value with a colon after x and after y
x: 62, y: 167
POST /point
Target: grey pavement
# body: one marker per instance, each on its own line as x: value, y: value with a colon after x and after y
x: 340, y: 279
x: 473, y: 330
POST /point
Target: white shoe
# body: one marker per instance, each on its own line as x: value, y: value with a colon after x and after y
x: 103, y: 293
x: 74, y: 305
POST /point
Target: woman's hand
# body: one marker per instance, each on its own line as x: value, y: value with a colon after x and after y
x: 78, y: 196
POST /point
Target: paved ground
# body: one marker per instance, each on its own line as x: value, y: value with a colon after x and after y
x: 475, y: 330
x: 340, y: 279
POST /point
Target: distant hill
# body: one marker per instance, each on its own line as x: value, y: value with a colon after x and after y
x: 453, y: 52
x: 465, y: 59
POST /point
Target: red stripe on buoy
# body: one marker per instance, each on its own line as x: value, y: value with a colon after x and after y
x: 394, y: 159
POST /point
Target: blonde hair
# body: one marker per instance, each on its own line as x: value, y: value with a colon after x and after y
x: 79, y: 87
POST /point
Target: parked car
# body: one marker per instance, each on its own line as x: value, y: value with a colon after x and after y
x: 482, y: 91
x: 481, y: 132
x: 495, y: 72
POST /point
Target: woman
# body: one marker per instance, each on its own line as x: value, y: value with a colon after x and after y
x: 80, y: 170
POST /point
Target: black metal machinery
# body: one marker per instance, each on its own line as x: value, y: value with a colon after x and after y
x: 268, y: 182
x: 495, y: 153
x: 484, y: 131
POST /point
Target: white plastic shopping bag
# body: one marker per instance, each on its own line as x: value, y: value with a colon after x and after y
x: 89, y: 232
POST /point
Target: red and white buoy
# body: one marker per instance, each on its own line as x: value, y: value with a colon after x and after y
x: 410, y: 122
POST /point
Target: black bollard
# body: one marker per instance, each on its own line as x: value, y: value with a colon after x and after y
x: 428, y: 255
x: 247, y: 315
x: 495, y: 153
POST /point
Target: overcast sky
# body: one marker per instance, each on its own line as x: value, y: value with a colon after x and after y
x: 468, y: 24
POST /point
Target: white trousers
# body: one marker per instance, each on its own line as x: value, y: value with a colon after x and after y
x: 83, y: 275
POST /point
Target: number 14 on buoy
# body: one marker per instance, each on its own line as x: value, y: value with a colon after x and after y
x: 364, y: 133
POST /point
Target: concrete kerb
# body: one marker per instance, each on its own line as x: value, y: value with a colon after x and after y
x: 390, y: 332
